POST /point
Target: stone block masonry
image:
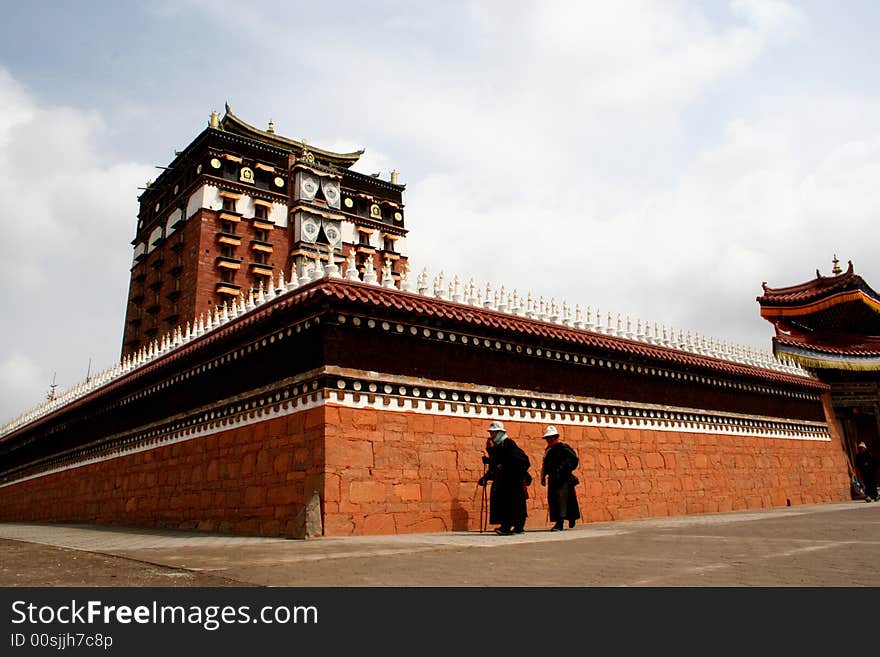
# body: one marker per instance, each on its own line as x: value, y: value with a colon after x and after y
x: 430, y: 482
x: 251, y: 479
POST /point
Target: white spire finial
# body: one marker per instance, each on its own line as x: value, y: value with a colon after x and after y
x: 293, y: 283
x: 423, y: 282
x: 332, y: 267
x: 542, y: 309
x: 457, y: 292
x: 351, y: 272
x: 387, y: 276
x: 305, y: 276
x: 407, y: 284
x: 515, y: 301
x: 440, y: 285
x: 553, y: 311
x: 489, y: 299
x: 318, y: 269
x: 472, y: 293
x: 370, y: 272
x: 502, y: 300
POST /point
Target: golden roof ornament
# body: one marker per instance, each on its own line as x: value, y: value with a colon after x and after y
x: 836, y: 268
x: 306, y: 154
x: 271, y: 127
x: 215, y: 120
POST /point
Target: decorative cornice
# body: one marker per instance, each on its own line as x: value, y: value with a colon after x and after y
x: 856, y: 357
x: 355, y: 389
x: 416, y: 299
x: 817, y: 294
x: 231, y: 123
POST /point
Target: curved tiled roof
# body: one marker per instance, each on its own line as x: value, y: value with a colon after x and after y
x: 820, y: 287
x: 363, y: 293
x: 232, y: 123
x: 836, y: 310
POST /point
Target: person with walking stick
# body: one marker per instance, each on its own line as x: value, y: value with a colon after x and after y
x: 508, y: 470
x: 867, y: 468
x: 557, y: 474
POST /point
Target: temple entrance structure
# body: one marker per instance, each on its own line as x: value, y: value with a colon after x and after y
x: 831, y: 326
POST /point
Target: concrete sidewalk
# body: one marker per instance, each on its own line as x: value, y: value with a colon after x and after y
x: 822, y: 545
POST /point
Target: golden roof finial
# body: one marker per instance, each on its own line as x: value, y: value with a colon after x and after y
x: 394, y: 173
x: 271, y: 127
x: 215, y: 120
x: 836, y: 268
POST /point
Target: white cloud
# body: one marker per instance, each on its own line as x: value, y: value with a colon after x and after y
x: 22, y: 383
x: 67, y: 217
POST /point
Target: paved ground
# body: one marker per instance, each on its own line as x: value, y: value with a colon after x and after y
x: 823, y: 545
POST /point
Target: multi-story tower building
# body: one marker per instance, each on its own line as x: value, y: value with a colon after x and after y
x: 238, y: 208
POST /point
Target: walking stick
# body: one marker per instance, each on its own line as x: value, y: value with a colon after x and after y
x: 483, y: 514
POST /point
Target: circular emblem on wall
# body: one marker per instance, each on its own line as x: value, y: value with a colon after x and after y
x: 398, y: 216
x: 310, y: 229
x: 349, y: 203
x: 198, y: 169
x: 279, y: 181
x: 332, y: 233
x: 247, y: 175
x: 215, y: 163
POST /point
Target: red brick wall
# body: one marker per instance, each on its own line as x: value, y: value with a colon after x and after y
x: 401, y: 472
x: 252, y: 479
x: 384, y: 472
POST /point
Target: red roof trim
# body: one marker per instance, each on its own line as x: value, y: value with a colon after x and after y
x: 866, y: 348
x: 376, y: 296
x: 371, y: 295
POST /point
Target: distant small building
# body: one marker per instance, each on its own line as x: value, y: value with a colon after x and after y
x: 831, y: 327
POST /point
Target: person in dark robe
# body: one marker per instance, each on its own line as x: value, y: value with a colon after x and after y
x: 867, y: 467
x: 557, y: 473
x: 508, y: 470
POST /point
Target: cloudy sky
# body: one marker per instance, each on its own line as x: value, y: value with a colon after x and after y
x: 654, y: 159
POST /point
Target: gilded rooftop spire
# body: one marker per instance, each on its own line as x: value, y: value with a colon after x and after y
x: 836, y: 268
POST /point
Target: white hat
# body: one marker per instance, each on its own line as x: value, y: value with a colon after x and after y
x: 496, y: 426
x: 862, y: 444
x: 550, y: 431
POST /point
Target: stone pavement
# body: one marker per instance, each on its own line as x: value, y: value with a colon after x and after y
x: 821, y: 545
